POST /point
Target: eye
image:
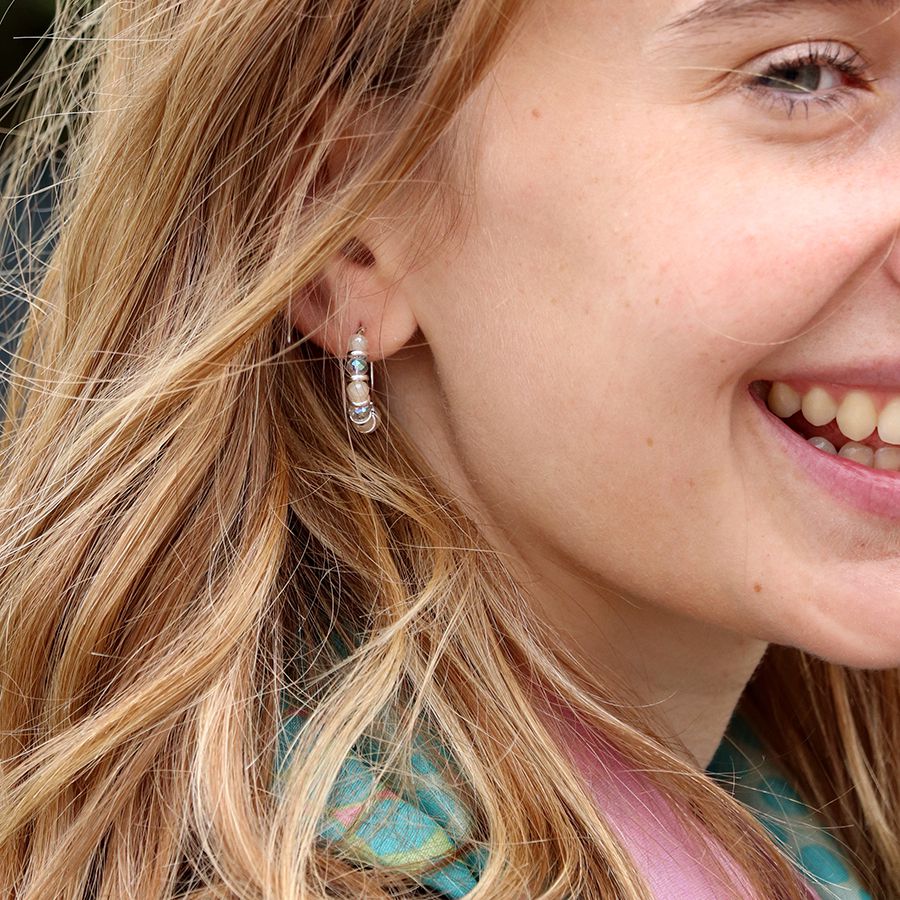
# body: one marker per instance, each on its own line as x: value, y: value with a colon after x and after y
x: 829, y: 75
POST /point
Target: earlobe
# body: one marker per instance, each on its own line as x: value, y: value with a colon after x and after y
x: 352, y: 292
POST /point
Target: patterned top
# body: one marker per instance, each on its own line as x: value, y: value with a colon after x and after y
x: 428, y: 824
x: 742, y: 764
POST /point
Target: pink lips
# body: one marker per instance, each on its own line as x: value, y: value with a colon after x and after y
x: 873, y: 374
x: 870, y: 490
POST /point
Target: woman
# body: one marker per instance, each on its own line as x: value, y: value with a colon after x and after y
x: 433, y: 425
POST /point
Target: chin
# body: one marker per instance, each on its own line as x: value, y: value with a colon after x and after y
x: 855, y: 650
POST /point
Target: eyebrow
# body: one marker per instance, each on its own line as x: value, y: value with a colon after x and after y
x: 716, y: 12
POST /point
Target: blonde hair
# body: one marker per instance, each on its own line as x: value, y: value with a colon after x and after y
x: 187, y: 521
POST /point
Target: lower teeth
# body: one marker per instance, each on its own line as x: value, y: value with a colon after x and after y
x: 885, y: 458
x: 825, y: 446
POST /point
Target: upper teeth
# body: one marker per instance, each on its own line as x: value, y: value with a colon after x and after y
x: 857, y: 414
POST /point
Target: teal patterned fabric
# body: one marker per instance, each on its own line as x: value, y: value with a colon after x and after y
x: 419, y: 831
x: 742, y: 764
x: 423, y: 829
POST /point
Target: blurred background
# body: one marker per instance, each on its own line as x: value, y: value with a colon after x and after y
x: 22, y: 24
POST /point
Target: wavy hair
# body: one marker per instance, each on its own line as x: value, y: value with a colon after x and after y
x: 188, y: 529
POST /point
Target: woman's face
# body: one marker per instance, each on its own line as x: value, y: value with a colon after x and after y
x: 651, y: 234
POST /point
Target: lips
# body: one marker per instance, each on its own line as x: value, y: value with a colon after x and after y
x: 868, y: 490
x: 874, y: 374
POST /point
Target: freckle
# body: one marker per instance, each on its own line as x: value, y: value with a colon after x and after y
x: 656, y: 301
x: 535, y: 113
x: 691, y: 482
x: 649, y: 441
x: 757, y: 587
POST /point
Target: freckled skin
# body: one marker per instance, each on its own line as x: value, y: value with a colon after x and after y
x: 708, y: 240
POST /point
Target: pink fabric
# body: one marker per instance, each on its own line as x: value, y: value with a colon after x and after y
x: 675, y: 865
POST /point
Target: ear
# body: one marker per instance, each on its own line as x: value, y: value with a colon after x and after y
x: 357, y: 288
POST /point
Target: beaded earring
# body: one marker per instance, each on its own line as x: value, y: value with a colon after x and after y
x: 361, y: 409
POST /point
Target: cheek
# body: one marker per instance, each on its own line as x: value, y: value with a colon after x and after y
x: 584, y: 440
x: 743, y: 264
x: 604, y: 314
x: 625, y: 486
x: 597, y: 342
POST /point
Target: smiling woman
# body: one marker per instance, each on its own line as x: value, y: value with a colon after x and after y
x: 452, y: 451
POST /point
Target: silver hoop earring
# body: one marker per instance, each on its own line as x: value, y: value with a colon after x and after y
x: 361, y: 408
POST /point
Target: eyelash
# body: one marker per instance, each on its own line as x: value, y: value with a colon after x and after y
x: 830, y: 55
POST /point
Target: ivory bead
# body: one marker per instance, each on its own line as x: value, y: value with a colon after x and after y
x: 359, y: 342
x: 358, y: 391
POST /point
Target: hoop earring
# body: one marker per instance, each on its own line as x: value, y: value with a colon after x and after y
x: 361, y: 409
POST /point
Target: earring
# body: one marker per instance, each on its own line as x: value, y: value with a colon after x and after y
x: 361, y: 410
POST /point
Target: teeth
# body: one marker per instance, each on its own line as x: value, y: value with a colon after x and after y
x: 824, y: 445
x: 885, y: 458
x: 888, y: 458
x: 783, y: 400
x: 859, y: 453
x: 889, y: 422
x: 818, y: 406
x: 857, y: 416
